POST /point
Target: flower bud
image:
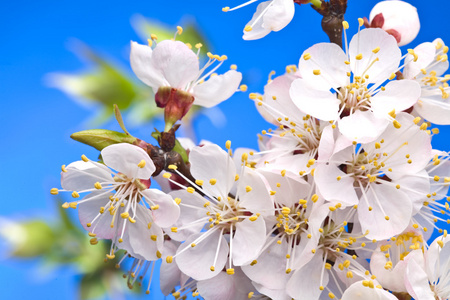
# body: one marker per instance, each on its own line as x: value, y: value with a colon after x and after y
x: 398, y: 18
x: 176, y: 104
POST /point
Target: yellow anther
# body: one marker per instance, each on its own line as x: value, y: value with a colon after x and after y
x: 396, y: 124
x: 316, y: 72
x: 361, y: 21
x: 331, y: 295
x: 253, y: 218
x: 75, y: 194
x: 250, y: 295
x: 110, y: 256
x: 63, y: 168
x: 376, y: 50
x: 124, y: 215
x: 154, y: 237
x: 98, y: 186
x: 169, y: 259
x: 84, y: 158
x: 248, y: 28
x: 190, y: 190
x: 345, y: 24
x: 54, y: 191
x: 172, y: 167
x: 392, y: 76
x: 230, y: 271
x: 307, y: 56
x: 226, y: 8
x: 248, y: 188
x: 236, y: 177
x: 359, y: 56
x: 314, y: 198
x: 167, y: 175
x: 179, y: 29
x: 386, y: 218
x: 243, y: 87
x: 228, y: 144
x: 154, y: 207
x: 141, y: 164
x: 199, y: 182
x: 153, y: 36
x: 347, y: 62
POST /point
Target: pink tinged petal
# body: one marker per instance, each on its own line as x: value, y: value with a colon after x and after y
x: 385, y: 201
x: 178, y: 64
x: 248, y: 241
x: 389, y: 54
x: 139, y: 236
x: 329, y: 60
x: 89, y: 210
x: 217, y: 89
x: 211, y: 162
x: 258, y: 199
x: 197, y: 261
x: 305, y: 282
x: 321, y: 104
x: 126, y: 158
x: 358, y: 291
x: 434, y: 108
x: 82, y: 175
x: 399, y: 95
x: 362, y: 126
x: 391, y: 279
x: 169, y: 273
x: 417, y: 284
x: 270, y: 269
x: 140, y: 59
x: 342, y: 190
x: 399, y: 16
x: 332, y: 142
x: 425, y: 56
x: 257, y: 23
x: 167, y: 212
x: 226, y: 287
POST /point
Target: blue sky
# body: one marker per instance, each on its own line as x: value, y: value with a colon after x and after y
x: 36, y: 121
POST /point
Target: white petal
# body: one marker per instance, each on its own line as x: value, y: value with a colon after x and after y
x: 389, y: 54
x: 279, y: 14
x: 169, y: 273
x: 217, y: 89
x: 248, y: 241
x: 417, y: 282
x: 257, y: 23
x: 301, y: 286
x: 258, y: 200
x: 138, y: 235
x: 270, y: 269
x: 329, y: 59
x: 341, y: 190
x: 321, y: 104
x: 211, y: 162
x: 176, y: 61
x: 392, y: 279
x: 82, y: 175
x: 89, y: 210
x: 197, y: 261
x: 167, y: 213
x: 398, y: 211
x: 140, y: 59
x: 358, y: 291
x: 399, y: 95
x: 425, y: 56
x: 362, y: 126
x: 434, y: 109
x: 125, y: 158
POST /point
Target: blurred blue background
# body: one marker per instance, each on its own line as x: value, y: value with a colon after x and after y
x: 36, y: 121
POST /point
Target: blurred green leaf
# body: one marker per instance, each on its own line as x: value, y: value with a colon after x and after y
x: 36, y: 238
x: 101, y: 138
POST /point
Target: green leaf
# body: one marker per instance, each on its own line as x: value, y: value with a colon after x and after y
x: 101, y: 138
x: 36, y: 238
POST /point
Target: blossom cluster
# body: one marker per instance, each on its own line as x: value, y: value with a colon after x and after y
x: 338, y: 202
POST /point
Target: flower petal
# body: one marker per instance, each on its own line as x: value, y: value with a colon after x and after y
x: 125, y: 158
x: 321, y: 104
x: 168, y: 211
x: 82, y: 175
x: 362, y: 126
x: 176, y: 62
x: 140, y: 59
x: 329, y: 59
x: 248, y: 241
x: 388, y: 56
x: 217, y: 89
x: 399, y: 95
